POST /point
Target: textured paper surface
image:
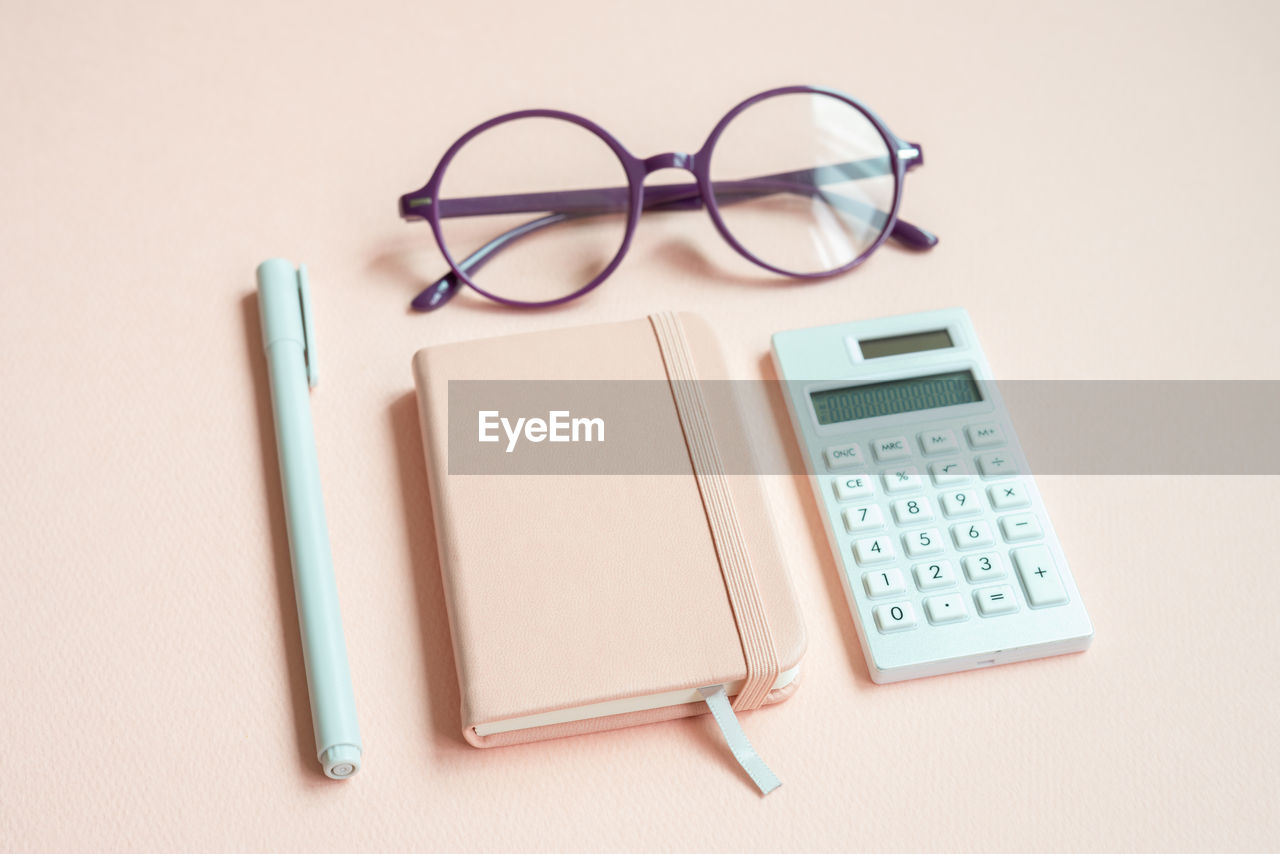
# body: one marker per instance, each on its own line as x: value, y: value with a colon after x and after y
x: 1101, y: 179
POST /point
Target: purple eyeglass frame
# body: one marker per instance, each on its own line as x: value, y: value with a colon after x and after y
x: 560, y: 206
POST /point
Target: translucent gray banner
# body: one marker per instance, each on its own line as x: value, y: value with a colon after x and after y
x: 1200, y: 427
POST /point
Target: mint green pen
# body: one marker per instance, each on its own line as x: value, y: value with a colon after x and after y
x: 284, y: 301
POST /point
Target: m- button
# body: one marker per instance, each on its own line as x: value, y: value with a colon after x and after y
x: 939, y: 442
x: 891, y: 449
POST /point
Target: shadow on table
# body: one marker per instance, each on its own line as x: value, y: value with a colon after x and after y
x: 424, y: 565
x: 829, y: 569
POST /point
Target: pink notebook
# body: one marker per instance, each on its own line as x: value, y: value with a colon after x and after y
x: 579, y: 602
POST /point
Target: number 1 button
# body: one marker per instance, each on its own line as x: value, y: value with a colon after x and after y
x: 883, y: 583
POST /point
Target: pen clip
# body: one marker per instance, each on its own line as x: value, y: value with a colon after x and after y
x: 308, y: 330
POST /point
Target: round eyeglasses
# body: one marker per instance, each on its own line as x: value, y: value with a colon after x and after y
x: 538, y: 207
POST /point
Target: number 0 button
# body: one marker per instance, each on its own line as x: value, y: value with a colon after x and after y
x: 895, y: 618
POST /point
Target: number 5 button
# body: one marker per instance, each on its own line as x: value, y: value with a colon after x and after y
x: 921, y: 543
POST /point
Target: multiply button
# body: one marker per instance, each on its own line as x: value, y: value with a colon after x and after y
x: 1007, y: 496
x: 844, y: 456
x: 985, y: 435
x: 939, y: 442
x: 891, y: 449
x: 1039, y: 576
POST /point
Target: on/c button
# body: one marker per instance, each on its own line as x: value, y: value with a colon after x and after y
x: 844, y: 456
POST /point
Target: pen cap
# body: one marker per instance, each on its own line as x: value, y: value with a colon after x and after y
x: 284, y: 300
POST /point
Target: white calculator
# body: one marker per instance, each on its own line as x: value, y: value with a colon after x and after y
x: 945, y: 550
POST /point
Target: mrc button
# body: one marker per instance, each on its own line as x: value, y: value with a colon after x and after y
x: 893, y: 448
x: 843, y: 456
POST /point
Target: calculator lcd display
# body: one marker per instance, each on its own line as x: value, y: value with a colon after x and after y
x: 934, y: 339
x: 852, y: 403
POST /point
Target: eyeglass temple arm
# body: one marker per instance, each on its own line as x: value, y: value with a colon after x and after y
x: 578, y: 204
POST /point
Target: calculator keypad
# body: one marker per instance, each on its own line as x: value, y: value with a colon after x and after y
x: 970, y: 544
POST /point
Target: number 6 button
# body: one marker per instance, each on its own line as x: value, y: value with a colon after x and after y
x: 971, y: 535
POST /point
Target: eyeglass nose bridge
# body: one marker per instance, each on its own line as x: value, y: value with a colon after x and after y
x: 669, y: 160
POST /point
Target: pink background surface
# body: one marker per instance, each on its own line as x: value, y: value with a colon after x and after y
x: 1103, y: 180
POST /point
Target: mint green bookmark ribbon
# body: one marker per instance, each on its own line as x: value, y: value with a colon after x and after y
x: 718, y: 702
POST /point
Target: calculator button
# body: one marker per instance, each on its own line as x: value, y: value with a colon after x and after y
x: 895, y: 618
x: 904, y: 479
x: 844, y: 456
x: 985, y: 435
x: 923, y: 543
x: 908, y: 511
x: 1007, y: 496
x: 873, y: 550
x: 894, y: 448
x: 960, y: 502
x: 948, y: 472
x: 995, y: 600
x: 945, y: 609
x: 980, y: 568
x: 971, y: 535
x: 884, y: 583
x: 1020, y: 526
x: 863, y: 518
x: 933, y: 576
x: 997, y: 464
x: 1039, y: 576
x: 854, y: 487
x: 939, y: 442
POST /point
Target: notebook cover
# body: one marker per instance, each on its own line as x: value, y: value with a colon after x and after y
x: 563, y: 591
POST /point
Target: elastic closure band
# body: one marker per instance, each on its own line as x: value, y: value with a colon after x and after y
x: 717, y: 499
